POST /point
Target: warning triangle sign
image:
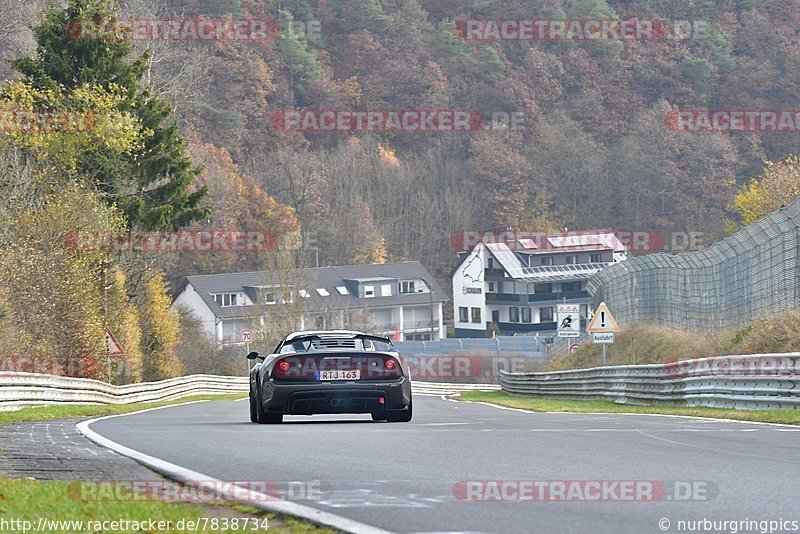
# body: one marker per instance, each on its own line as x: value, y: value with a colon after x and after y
x: 602, y: 321
x: 113, y: 348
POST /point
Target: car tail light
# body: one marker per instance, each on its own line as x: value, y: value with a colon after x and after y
x: 283, y: 366
x: 390, y: 364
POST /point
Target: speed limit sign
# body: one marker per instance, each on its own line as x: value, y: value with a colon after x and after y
x: 246, y: 335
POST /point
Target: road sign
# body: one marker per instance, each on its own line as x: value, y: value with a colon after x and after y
x: 113, y: 348
x: 603, y: 337
x: 602, y: 321
x: 247, y: 336
x: 574, y: 348
x: 568, y: 319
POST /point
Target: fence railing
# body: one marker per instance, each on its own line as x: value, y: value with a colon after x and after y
x: 747, y: 276
x: 764, y: 381
x: 19, y: 390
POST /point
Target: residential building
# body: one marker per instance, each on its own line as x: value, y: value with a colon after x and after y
x: 515, y: 287
x: 400, y: 300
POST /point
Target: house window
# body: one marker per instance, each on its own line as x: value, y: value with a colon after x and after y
x: 547, y: 260
x: 495, y: 316
x: 463, y: 314
x: 225, y: 300
x: 319, y: 321
x: 526, y: 315
x: 546, y: 315
x: 513, y: 314
x: 369, y: 291
x: 490, y: 263
x: 491, y: 287
x: 407, y: 287
x: 570, y: 287
x: 342, y: 290
x: 596, y: 258
x: 543, y: 288
x: 304, y: 294
x: 386, y: 290
x: 269, y: 298
x: 322, y: 292
x: 476, y: 315
x: 571, y: 259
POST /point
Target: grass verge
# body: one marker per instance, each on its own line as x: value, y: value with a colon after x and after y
x: 41, y: 413
x: 789, y: 417
x: 30, y: 500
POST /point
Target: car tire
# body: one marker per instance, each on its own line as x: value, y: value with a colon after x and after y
x: 401, y: 416
x: 264, y: 417
x: 253, y: 414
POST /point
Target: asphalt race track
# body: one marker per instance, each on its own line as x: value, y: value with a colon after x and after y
x: 411, y: 477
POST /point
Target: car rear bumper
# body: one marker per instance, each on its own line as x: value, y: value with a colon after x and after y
x: 326, y: 397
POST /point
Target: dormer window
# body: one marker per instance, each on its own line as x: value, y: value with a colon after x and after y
x: 406, y: 287
x: 369, y: 291
x: 225, y: 300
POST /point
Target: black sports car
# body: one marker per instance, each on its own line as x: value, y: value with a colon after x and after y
x: 324, y: 372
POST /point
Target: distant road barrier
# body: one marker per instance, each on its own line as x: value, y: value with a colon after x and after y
x: 763, y: 381
x: 19, y: 390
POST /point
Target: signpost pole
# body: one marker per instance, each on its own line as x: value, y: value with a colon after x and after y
x: 604, y: 354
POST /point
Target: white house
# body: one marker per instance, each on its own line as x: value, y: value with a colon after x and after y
x: 400, y: 300
x: 515, y: 286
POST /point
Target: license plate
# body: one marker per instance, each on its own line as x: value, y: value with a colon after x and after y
x: 339, y: 375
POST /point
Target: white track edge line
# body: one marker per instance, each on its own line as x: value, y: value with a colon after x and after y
x: 260, y: 501
x: 694, y: 417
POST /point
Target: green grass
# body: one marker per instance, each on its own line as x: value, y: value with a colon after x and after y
x: 41, y: 413
x: 789, y: 417
x: 28, y: 500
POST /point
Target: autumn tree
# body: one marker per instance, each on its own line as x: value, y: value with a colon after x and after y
x: 154, y: 183
x: 776, y: 186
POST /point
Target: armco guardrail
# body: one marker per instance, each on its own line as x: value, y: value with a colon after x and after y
x: 764, y: 381
x: 18, y: 390
x: 29, y: 389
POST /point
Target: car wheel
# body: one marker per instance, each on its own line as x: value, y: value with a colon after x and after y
x: 253, y: 414
x: 401, y: 416
x: 264, y: 417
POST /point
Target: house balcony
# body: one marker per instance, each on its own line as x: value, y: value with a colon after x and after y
x: 493, y: 273
x: 547, y: 297
x: 502, y: 297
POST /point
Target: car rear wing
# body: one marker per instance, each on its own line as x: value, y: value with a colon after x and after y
x: 362, y: 337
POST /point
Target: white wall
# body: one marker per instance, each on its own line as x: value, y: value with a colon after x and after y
x: 469, y: 276
x: 190, y: 300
